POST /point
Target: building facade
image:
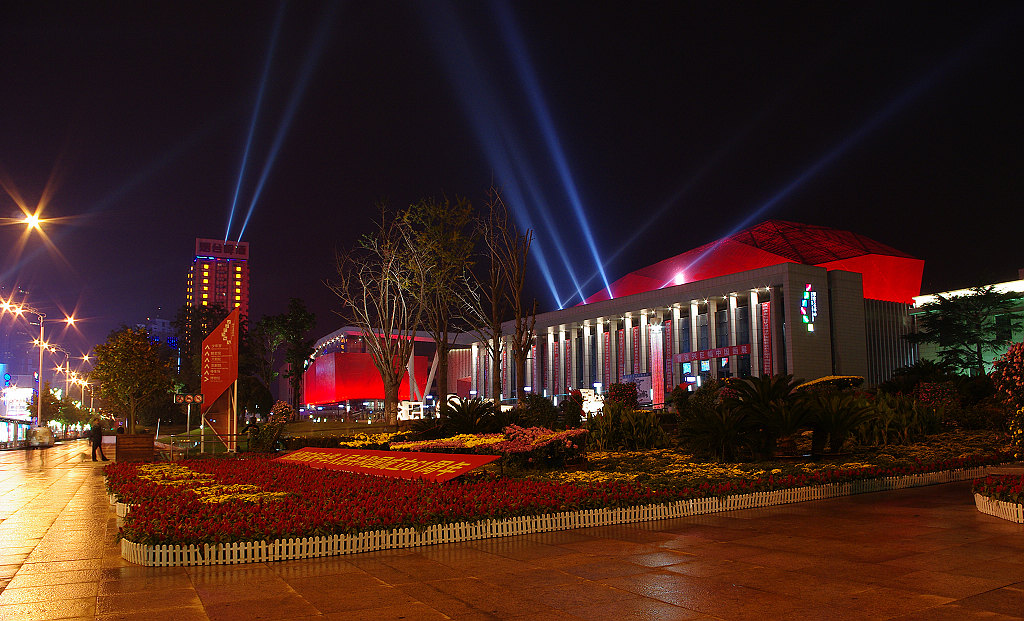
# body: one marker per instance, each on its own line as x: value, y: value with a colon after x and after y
x: 780, y: 297
x: 219, y: 275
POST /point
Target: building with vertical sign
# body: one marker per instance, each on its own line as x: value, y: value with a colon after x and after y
x: 219, y: 275
x: 779, y: 297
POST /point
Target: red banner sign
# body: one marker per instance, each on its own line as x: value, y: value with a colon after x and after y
x: 766, y: 338
x: 708, y: 354
x: 220, y: 359
x: 398, y: 464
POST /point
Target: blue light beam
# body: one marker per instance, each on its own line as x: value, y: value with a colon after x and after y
x: 278, y: 19
x: 313, y: 53
x: 528, y: 79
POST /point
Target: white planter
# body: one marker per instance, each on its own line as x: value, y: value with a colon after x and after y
x: 1005, y: 510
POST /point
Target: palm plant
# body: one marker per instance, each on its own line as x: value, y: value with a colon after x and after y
x: 770, y: 405
x: 837, y: 415
x: 719, y: 430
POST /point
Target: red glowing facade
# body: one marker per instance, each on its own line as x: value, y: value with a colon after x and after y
x: 889, y: 274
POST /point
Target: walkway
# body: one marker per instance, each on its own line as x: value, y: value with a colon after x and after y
x: 924, y: 553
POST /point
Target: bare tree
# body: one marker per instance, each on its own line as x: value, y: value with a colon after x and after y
x: 444, y: 245
x: 500, y: 290
x: 376, y: 283
x: 510, y: 248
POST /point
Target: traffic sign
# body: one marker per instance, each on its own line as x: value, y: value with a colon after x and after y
x: 188, y: 398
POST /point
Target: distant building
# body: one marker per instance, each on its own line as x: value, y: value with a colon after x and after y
x: 160, y: 331
x: 219, y: 275
x: 929, y: 351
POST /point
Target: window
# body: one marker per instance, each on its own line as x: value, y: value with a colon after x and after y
x: 1004, y: 330
x: 722, y: 328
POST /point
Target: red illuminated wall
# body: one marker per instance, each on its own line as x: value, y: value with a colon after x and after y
x: 337, y: 377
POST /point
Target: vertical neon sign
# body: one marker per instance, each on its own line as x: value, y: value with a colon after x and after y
x: 809, y: 307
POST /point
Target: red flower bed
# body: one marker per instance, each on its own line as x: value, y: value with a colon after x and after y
x: 1007, y: 488
x: 325, y: 502
x: 297, y: 501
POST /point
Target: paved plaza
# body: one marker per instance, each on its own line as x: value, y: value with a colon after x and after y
x: 923, y: 553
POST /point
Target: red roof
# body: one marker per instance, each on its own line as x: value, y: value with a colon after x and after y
x: 889, y: 274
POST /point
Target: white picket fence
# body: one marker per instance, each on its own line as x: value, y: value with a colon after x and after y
x: 1005, y: 510
x: 312, y: 547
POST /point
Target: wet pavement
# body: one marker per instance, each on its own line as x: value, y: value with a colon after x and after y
x: 922, y: 553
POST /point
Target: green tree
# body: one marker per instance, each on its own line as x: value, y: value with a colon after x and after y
x: 293, y: 327
x: 443, y: 240
x: 967, y: 327
x: 132, y: 373
x: 51, y: 405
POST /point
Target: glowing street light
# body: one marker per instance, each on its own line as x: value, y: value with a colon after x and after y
x: 33, y: 221
x: 21, y: 309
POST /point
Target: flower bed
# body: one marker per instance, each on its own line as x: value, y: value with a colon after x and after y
x: 1001, y: 496
x: 384, y: 539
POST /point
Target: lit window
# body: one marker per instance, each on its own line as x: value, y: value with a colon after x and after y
x: 238, y: 290
x: 206, y: 295
x: 238, y: 303
x: 206, y: 280
x: 206, y: 266
x: 204, y: 302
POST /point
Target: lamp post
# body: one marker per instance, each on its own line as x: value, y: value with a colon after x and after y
x: 21, y: 309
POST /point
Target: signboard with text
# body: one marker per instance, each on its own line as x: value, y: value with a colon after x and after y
x: 399, y: 464
x: 708, y: 354
x: 220, y: 360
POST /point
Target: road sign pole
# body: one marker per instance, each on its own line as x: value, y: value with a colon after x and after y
x: 188, y: 425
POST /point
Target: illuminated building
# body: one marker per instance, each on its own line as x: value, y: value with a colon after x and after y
x: 779, y: 297
x: 219, y: 275
x: 341, y: 374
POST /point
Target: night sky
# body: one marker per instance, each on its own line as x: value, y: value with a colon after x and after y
x: 662, y: 125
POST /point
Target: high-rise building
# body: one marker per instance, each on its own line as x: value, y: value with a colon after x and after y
x: 219, y: 275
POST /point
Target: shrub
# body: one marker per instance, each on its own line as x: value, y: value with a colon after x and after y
x: 836, y: 415
x: 771, y: 407
x: 571, y: 410
x: 1008, y: 376
x: 905, y: 379
x: 604, y: 432
x: 898, y: 419
x: 717, y: 430
x: 264, y: 439
x: 537, y: 411
x: 641, y: 429
x: 474, y: 415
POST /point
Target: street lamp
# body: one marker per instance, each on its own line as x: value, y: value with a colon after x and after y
x: 22, y: 309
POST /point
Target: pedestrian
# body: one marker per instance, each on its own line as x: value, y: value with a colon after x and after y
x: 96, y: 438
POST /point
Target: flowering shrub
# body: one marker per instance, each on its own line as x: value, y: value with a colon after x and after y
x: 624, y: 394
x: 1008, y: 488
x: 1016, y: 429
x: 1008, y: 375
x: 462, y: 443
x: 375, y: 441
x: 523, y: 445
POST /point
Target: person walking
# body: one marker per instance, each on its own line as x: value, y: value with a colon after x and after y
x: 96, y: 438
